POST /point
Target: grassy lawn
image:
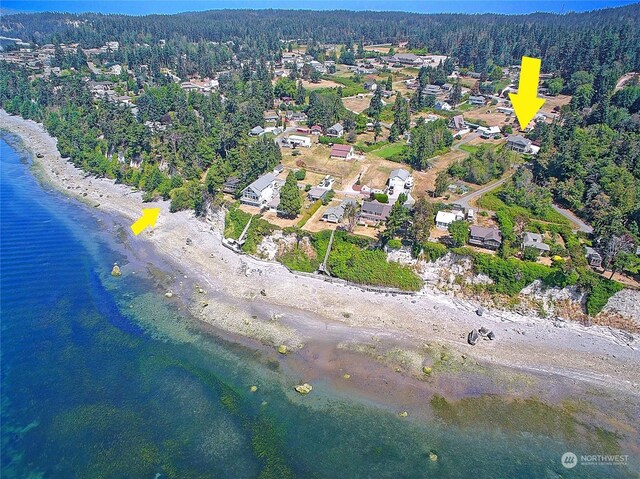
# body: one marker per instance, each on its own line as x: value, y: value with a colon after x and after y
x: 350, y: 87
x: 469, y: 148
x: 390, y: 151
x: 491, y: 201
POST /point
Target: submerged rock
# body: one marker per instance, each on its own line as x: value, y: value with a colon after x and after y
x: 304, y: 388
x: 253, y: 389
x: 403, y: 414
x: 427, y: 370
x: 346, y: 376
x: 282, y: 349
x: 169, y: 294
x: 433, y: 456
x: 116, y: 270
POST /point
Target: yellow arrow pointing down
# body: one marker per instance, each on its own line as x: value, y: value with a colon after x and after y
x: 148, y: 218
x: 526, y: 102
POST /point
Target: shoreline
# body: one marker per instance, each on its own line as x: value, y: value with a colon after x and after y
x: 322, y: 316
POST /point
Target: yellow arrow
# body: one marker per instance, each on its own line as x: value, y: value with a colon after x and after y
x: 526, y: 102
x: 148, y: 218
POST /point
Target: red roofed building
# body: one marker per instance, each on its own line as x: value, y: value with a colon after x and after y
x: 344, y: 152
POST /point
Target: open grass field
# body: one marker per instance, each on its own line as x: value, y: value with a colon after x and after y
x: 390, y: 151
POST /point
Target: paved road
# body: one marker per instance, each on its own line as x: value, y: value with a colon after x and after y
x: 582, y: 226
x: 466, y: 199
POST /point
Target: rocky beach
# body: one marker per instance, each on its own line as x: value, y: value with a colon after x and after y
x: 402, y: 347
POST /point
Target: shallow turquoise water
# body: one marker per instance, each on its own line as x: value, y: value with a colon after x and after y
x: 102, y: 379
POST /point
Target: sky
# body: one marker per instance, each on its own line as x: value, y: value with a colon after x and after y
x: 142, y: 7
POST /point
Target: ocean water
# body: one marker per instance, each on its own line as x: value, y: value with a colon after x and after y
x: 102, y: 378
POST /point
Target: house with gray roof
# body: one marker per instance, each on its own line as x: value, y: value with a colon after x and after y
x: 317, y: 193
x: 256, y: 131
x: 476, y: 100
x: 374, y: 211
x: 260, y: 192
x: 335, y: 214
x: 489, y: 238
x: 519, y: 143
x: 535, y: 240
x: 336, y: 130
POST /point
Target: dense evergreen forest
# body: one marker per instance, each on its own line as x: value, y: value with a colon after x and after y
x: 567, y: 43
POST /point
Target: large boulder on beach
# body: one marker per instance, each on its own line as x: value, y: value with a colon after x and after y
x: 304, y: 388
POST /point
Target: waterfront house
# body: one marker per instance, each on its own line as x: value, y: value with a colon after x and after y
x: 374, y: 211
x: 489, y: 238
x: 260, y: 192
x: 336, y: 213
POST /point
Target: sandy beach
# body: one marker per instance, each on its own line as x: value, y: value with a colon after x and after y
x: 224, y: 289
